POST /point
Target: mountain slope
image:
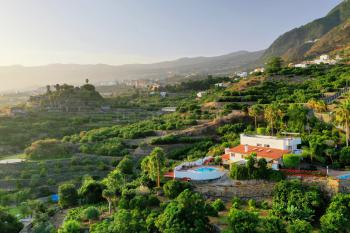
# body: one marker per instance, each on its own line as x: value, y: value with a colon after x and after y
x: 294, y: 44
x: 30, y: 77
x: 335, y: 40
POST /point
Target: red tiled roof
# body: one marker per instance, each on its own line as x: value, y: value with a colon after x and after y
x: 225, y: 157
x: 262, y: 152
x: 169, y: 174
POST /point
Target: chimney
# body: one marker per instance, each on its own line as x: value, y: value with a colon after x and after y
x: 246, y: 148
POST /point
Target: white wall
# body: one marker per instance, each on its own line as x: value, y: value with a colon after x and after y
x: 273, y: 142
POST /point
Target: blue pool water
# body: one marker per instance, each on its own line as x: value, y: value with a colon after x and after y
x: 205, y: 169
x: 344, y: 177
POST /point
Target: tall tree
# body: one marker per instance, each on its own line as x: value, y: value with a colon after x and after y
x: 297, y: 117
x: 273, y: 65
x: 254, y: 111
x: 109, y: 195
x: 272, y: 113
x: 342, y: 117
x: 153, y: 165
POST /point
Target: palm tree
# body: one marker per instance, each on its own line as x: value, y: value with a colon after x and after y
x: 254, y: 111
x: 272, y: 113
x: 342, y: 117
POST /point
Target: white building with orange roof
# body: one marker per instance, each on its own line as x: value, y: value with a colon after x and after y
x: 270, y: 148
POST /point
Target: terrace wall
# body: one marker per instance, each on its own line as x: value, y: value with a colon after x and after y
x: 251, y: 189
x: 260, y: 189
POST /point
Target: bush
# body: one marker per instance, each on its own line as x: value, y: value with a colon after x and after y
x: 9, y: 223
x: 299, y: 226
x: 273, y: 225
x: 218, y: 205
x: 70, y: 226
x: 91, y: 213
x: 264, y: 205
x: 291, y: 160
x: 261, y: 131
x: 239, y: 172
x: 241, y: 221
x: 126, y: 165
x: 345, y: 156
x: 49, y: 149
x: 91, y: 191
x: 173, y: 188
x: 251, y: 204
x: 236, y: 202
x: 68, y: 195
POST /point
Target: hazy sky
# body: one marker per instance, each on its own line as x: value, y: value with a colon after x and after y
x: 35, y: 32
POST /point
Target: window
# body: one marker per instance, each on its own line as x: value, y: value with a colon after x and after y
x: 266, y: 145
x: 290, y: 148
x: 258, y: 144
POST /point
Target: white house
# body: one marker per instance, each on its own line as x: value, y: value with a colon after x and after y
x: 201, y: 94
x: 282, y: 143
x: 268, y: 147
x: 242, y: 74
x: 222, y: 84
x: 300, y: 65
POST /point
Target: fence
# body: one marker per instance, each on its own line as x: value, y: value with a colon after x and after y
x: 303, y: 173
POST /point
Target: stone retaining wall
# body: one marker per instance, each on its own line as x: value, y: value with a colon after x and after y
x: 261, y: 189
x: 252, y: 189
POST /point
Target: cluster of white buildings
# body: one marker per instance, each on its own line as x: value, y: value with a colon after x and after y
x: 323, y: 59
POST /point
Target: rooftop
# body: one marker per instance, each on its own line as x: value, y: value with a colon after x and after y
x: 263, y: 152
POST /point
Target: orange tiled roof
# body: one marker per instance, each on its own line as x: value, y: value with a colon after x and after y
x: 225, y: 157
x: 262, y: 152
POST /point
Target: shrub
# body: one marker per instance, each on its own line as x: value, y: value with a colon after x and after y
x: 9, y: 223
x: 264, y: 205
x: 126, y: 165
x: 70, y: 226
x: 239, y: 172
x: 299, y: 226
x: 345, y: 156
x: 49, y: 149
x: 261, y: 131
x: 241, y: 221
x: 218, y: 205
x: 91, y: 191
x: 91, y: 213
x: 173, y: 188
x: 291, y: 160
x: 68, y: 195
x: 236, y: 202
x: 251, y: 204
x: 272, y: 225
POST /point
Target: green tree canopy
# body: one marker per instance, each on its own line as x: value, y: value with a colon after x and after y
x: 68, y: 195
x: 154, y: 164
x: 9, y: 223
x: 274, y: 65
x: 186, y: 214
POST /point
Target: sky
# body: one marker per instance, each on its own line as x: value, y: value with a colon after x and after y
x: 39, y: 32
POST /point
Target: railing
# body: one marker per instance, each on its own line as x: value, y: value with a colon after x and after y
x: 330, y: 99
x: 297, y: 172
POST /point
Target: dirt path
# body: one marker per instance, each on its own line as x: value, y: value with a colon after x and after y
x: 58, y: 218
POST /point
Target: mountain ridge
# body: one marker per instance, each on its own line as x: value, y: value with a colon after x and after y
x: 294, y: 44
x: 25, y: 76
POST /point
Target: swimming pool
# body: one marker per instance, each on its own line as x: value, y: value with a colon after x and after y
x: 206, y: 169
x: 344, y: 177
